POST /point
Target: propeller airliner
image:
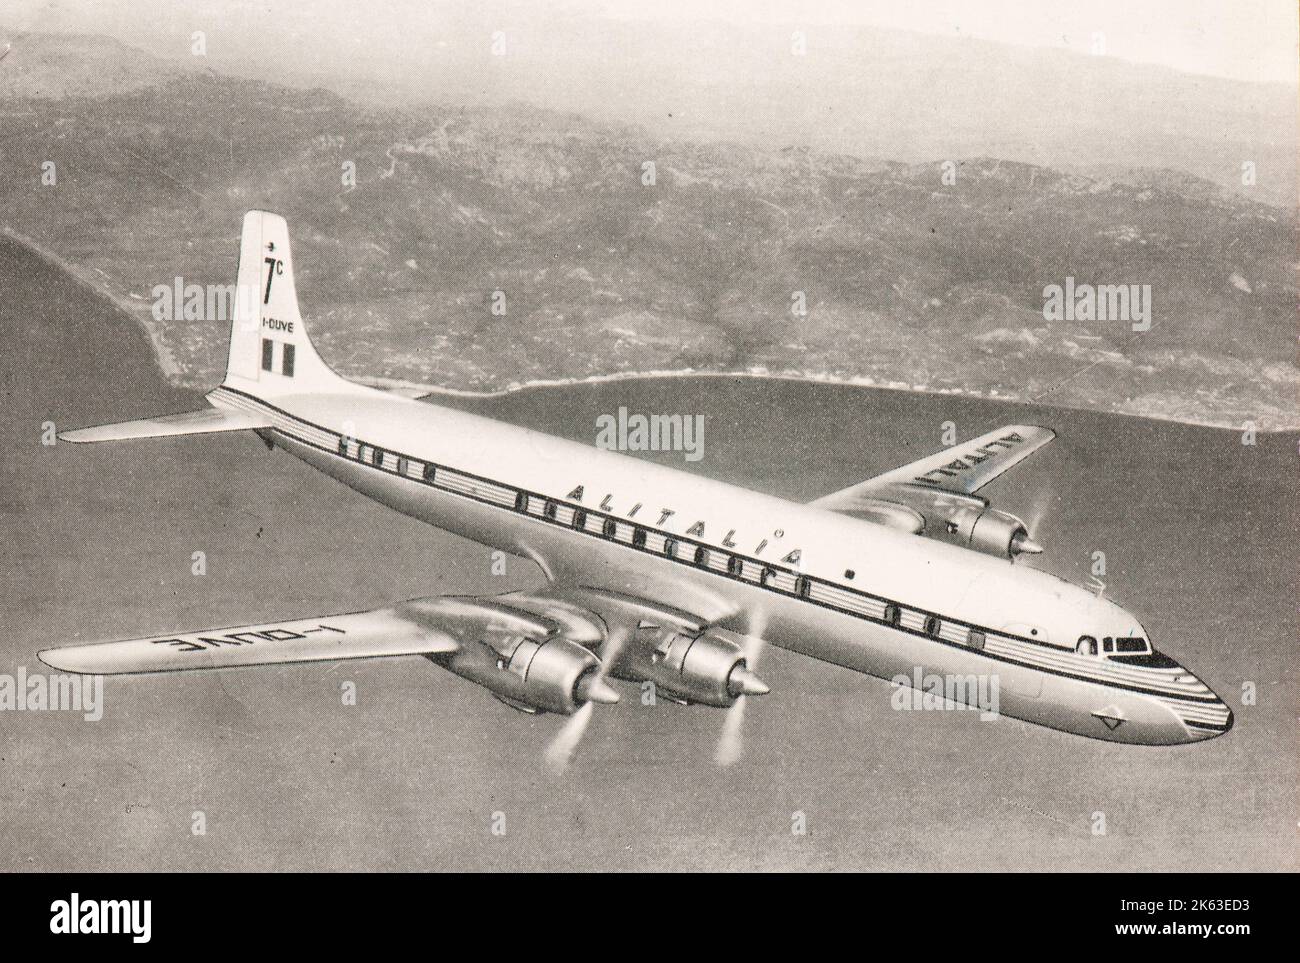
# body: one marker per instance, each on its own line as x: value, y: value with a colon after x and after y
x: 659, y: 576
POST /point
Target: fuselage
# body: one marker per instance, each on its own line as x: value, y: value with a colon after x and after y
x: 847, y: 591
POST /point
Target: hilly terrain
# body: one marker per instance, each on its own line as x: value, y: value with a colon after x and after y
x: 846, y: 88
x: 909, y: 279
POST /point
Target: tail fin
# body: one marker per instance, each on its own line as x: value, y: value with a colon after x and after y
x: 270, y: 352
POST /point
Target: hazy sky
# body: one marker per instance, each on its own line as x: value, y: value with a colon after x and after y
x: 1243, y: 39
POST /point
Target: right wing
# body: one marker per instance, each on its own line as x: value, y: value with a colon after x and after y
x: 904, y: 497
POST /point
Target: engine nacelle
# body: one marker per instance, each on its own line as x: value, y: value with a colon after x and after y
x: 536, y: 675
x: 985, y: 530
x: 701, y: 668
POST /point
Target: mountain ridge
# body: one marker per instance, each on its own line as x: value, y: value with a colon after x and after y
x: 906, y: 280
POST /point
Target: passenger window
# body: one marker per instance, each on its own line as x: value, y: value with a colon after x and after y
x: 521, y: 502
x: 701, y: 556
x: 892, y: 614
x: 976, y: 640
x: 343, y: 447
x: 734, y: 566
x: 610, y: 527
x: 430, y: 473
x: 801, y: 586
x: 377, y: 457
x: 401, y: 466
x: 638, y: 538
x: 549, y: 510
x: 932, y: 625
x: 670, y: 547
x: 765, y: 579
x: 579, y: 519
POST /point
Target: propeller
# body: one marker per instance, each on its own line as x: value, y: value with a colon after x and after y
x: 743, y: 683
x: 10, y: 45
x: 565, y: 744
x: 593, y: 688
x: 1027, y: 544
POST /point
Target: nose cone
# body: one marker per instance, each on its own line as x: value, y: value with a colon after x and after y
x: 1203, y: 714
x: 1200, y: 732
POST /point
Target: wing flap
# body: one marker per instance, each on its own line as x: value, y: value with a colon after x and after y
x: 378, y: 633
x: 189, y: 423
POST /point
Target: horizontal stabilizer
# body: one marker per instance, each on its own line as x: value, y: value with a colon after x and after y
x: 190, y: 423
x: 360, y: 635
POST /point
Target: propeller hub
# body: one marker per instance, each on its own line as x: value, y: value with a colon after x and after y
x: 743, y: 681
x: 1023, y: 544
x: 592, y: 688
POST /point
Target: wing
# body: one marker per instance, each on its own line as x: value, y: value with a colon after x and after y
x: 378, y: 633
x: 189, y: 423
x: 533, y: 651
x: 959, y: 472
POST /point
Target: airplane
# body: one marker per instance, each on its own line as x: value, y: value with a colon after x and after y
x: 658, y: 577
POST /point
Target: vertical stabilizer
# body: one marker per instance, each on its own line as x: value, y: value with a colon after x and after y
x: 270, y: 352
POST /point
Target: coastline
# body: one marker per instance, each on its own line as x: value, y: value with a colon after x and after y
x: 161, y: 355
x: 172, y: 371
x: 423, y: 391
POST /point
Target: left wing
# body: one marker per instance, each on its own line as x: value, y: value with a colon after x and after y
x: 358, y: 635
x: 533, y: 651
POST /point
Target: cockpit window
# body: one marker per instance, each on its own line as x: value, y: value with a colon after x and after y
x: 1149, y: 660
x: 1110, y: 646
